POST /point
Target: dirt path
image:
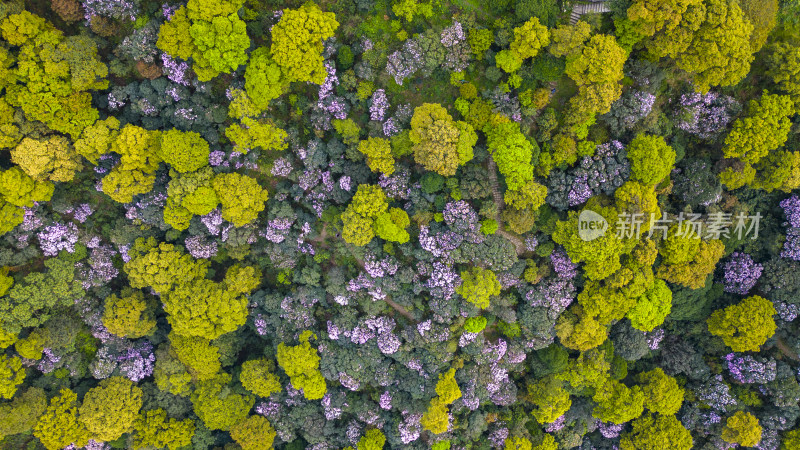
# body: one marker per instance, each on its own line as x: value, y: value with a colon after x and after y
x: 498, y: 201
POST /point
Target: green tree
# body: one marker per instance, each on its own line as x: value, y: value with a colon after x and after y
x: 478, y: 285
x: 199, y: 355
x: 652, y: 307
x: 764, y: 129
x: 509, y: 61
x: 253, y: 433
x: 549, y: 398
x: 446, y: 388
x: 129, y: 316
x: 652, y: 16
x: 390, y: 226
x: 252, y: 134
x: 762, y: 14
x: 655, y: 433
x: 161, y: 266
x: 373, y: 439
x: 742, y: 428
x: 218, y: 405
x: 440, y: 144
x: 52, y: 159
x: 21, y: 414
x: 204, y: 309
x: 662, y: 394
x: 746, y: 325
x: 617, y: 403
x: 154, y: 430
x: 33, y: 301
x: 11, y: 375
x: 185, y: 151
x: 257, y: 376
x: 263, y: 79
x: 479, y: 39
x: 379, y: 155
x: 242, y: 198
x: 597, y: 70
x: 59, y: 426
x: 301, y: 364
x: 529, y: 38
x: 297, y: 42
x: 109, y: 410
x: 651, y: 158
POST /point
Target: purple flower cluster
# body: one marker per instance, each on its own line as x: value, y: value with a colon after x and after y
x: 563, y: 266
x: 378, y: 104
x: 601, y: 173
x: 404, y: 63
x: 705, y: 115
x: 554, y: 294
x: 200, y: 248
x: 116, y: 9
x: 749, y: 369
x: 57, y: 237
x: 100, y: 269
x: 174, y: 70
x: 791, y: 210
x: 741, y: 273
x: 460, y: 217
x: 443, y: 281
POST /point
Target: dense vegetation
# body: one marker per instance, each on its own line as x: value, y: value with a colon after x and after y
x: 362, y: 224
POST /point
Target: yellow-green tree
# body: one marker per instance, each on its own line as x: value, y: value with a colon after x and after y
x: 185, y: 151
x: 11, y: 375
x: 250, y: 134
x: 549, y: 398
x: 161, y: 266
x: 263, y: 78
x: 109, y: 410
x: 662, y: 394
x: 204, y: 309
x: 297, y: 42
x: 597, y: 70
x: 21, y: 414
x: 764, y: 129
x: 218, y: 405
x: 59, y: 426
x: 746, y: 325
x: 656, y: 432
x: 529, y: 38
x: 199, y: 355
x: 440, y: 144
x: 242, y: 198
x: 52, y: 159
x: 742, y: 428
x: 478, y: 285
x: 617, y: 403
x: 301, y: 364
x: 154, y: 430
x: 379, y: 155
x: 253, y: 433
x: 651, y: 158
x: 129, y: 316
x: 257, y: 376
